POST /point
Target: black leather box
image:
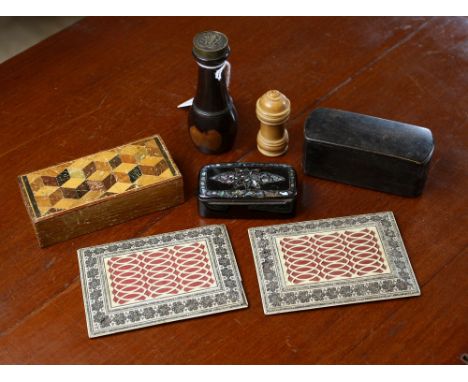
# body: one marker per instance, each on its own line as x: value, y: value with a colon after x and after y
x: 247, y: 190
x: 367, y: 151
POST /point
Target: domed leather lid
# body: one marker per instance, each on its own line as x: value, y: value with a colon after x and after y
x: 371, y: 134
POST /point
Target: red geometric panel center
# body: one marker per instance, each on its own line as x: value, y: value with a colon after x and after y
x: 332, y: 255
x: 159, y: 272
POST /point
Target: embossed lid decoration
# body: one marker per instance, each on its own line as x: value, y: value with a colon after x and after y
x: 210, y: 45
x: 247, y: 181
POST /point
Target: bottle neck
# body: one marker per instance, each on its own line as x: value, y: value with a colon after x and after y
x: 212, y: 92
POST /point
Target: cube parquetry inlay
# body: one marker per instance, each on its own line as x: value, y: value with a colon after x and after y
x: 98, y: 176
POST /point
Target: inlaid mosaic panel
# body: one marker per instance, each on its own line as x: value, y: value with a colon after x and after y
x: 98, y: 176
x: 331, y: 262
x: 148, y: 281
x: 333, y: 255
x: 158, y: 273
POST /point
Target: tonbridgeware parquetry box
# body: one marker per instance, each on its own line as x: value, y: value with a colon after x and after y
x: 100, y: 190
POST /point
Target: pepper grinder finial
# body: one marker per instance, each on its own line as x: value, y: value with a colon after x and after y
x: 273, y: 109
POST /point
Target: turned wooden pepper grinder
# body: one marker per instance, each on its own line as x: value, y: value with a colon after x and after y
x: 273, y: 109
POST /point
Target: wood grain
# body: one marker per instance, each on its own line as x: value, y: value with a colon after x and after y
x: 107, y: 81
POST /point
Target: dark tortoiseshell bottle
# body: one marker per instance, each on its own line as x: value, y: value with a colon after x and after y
x: 212, y: 118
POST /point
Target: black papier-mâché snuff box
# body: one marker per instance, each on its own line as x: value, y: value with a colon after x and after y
x: 366, y: 151
x: 247, y: 190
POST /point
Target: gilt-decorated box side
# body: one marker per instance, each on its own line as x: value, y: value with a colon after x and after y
x: 100, y: 190
x: 366, y: 151
x: 250, y: 190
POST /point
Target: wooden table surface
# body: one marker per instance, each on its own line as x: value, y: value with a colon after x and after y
x: 107, y: 81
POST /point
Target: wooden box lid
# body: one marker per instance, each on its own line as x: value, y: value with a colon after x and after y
x: 122, y: 182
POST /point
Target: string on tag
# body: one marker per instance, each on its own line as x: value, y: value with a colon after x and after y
x: 219, y: 73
